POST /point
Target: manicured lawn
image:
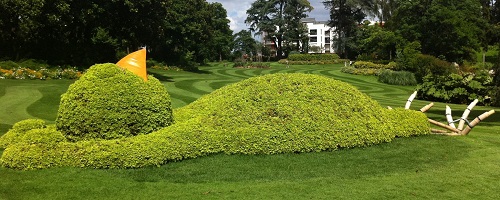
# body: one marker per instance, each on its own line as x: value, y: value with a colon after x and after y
x: 428, y: 167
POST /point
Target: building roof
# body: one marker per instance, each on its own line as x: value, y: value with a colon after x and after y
x: 312, y: 20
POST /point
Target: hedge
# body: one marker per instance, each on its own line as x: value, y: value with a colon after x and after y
x: 277, y: 113
x: 397, y: 77
x: 16, y: 133
x: 313, y: 57
x: 316, y: 62
x: 370, y: 65
x: 109, y: 102
x: 361, y: 71
x: 243, y: 64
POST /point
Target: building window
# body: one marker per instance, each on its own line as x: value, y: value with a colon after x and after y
x: 313, y: 32
x: 313, y: 39
x: 327, y: 33
x: 327, y: 40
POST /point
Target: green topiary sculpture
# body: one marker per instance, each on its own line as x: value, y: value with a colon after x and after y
x: 277, y: 113
x: 108, y: 102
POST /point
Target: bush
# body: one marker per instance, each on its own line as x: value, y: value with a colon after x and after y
x: 270, y: 114
x: 46, y: 136
x: 109, y: 102
x: 317, y: 62
x: 15, y: 134
x: 361, y: 71
x: 242, y: 64
x: 9, y: 65
x: 150, y: 63
x: 456, y: 88
x: 424, y: 65
x: 366, y: 65
x: 313, y: 57
x: 397, y: 77
x: 370, y: 65
x: 34, y: 64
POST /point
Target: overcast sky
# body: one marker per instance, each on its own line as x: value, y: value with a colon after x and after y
x: 236, y: 12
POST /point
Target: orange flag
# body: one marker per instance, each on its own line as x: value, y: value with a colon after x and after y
x: 136, y: 63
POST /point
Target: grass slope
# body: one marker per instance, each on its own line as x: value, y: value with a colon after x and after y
x: 427, y: 167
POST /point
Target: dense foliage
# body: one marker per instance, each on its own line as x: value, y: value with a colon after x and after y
x: 457, y: 87
x: 81, y: 33
x: 279, y: 20
x: 263, y: 115
x: 367, y: 68
x: 365, y: 65
x: 345, y: 16
x: 312, y: 57
x: 242, y: 64
x: 35, y: 69
x: 496, y: 83
x: 108, y: 102
x: 451, y: 29
x: 397, y: 77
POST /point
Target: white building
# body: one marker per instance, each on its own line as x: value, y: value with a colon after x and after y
x: 320, y: 36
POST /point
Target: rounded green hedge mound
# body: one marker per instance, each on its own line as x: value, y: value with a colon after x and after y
x: 108, y: 102
x: 279, y: 113
x: 295, y: 113
x: 16, y: 133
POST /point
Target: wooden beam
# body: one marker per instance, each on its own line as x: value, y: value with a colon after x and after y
x: 476, y: 121
x: 443, y: 126
x: 426, y: 108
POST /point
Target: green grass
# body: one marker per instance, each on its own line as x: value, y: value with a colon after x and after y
x: 428, y: 167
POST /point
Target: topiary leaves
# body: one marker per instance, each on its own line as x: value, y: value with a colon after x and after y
x: 108, y: 102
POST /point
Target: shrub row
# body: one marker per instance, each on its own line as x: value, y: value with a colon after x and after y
x: 263, y: 115
x: 263, y: 65
x: 14, y: 135
x: 316, y: 62
x: 397, y: 77
x: 27, y: 64
x: 153, y: 64
x: 370, y: 65
x: 41, y: 74
x: 422, y: 65
x: 360, y: 71
x: 313, y: 57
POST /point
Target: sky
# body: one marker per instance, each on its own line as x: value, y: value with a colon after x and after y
x: 236, y: 12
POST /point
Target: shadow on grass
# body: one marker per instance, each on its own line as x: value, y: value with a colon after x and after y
x: 161, y: 77
x: 199, y: 71
x: 403, y: 155
x: 4, y: 128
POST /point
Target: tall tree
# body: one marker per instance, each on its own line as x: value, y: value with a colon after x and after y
x: 452, y: 29
x: 244, y: 43
x: 219, y: 47
x: 276, y: 18
x: 383, y: 9
x: 82, y: 33
x: 495, y: 12
x: 345, y: 17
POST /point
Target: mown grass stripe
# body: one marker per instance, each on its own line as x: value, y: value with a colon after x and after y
x: 14, y: 104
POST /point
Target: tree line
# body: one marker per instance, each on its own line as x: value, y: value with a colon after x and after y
x: 81, y: 33
x: 189, y: 32
x: 452, y: 30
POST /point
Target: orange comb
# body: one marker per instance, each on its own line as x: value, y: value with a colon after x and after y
x: 136, y: 63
